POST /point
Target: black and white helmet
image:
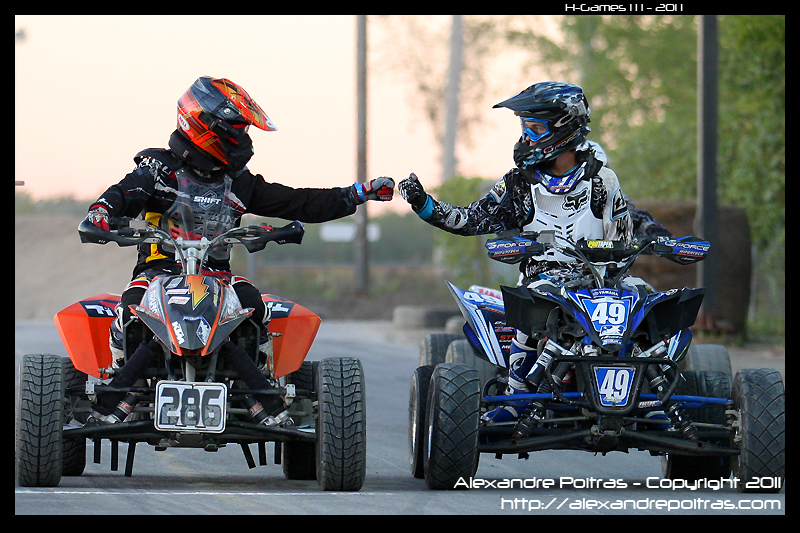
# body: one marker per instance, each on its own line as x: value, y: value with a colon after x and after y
x: 554, y: 115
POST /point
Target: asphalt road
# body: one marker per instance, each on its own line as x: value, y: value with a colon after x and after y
x: 188, y: 481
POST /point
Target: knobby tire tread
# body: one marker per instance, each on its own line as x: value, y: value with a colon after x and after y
x: 40, y: 421
x: 341, y: 438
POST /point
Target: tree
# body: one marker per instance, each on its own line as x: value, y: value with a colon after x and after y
x: 415, y: 48
x: 640, y: 76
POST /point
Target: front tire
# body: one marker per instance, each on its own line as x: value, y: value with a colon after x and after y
x: 73, y: 451
x: 451, y: 435
x: 760, y: 400
x: 40, y: 421
x: 341, y: 425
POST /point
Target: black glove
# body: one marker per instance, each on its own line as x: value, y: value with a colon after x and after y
x: 412, y: 192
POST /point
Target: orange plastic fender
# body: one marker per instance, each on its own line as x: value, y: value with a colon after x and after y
x: 298, y: 326
x: 83, y: 327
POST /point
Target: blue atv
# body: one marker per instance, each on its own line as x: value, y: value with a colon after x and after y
x: 611, y: 374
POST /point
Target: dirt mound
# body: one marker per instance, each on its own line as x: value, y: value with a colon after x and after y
x: 53, y: 269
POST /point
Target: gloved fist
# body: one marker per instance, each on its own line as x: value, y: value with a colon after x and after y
x: 98, y: 215
x: 412, y: 192
x: 380, y: 189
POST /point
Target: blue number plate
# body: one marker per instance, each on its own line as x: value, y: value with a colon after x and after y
x: 614, y: 384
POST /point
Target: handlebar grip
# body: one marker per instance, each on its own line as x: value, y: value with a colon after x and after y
x: 291, y: 233
x: 89, y: 233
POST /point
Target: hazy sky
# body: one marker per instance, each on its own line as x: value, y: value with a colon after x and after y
x: 92, y: 91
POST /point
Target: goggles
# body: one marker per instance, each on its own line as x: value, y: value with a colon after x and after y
x: 534, y: 129
x: 229, y: 132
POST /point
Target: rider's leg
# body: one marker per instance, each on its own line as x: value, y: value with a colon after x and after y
x: 521, y: 358
x: 274, y: 412
x: 249, y: 296
x: 132, y: 296
x: 113, y: 407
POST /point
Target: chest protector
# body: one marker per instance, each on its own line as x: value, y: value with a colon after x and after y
x: 201, y: 209
x: 569, y: 214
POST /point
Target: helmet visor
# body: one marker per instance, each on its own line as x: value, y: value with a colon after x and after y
x: 534, y: 129
x: 249, y: 111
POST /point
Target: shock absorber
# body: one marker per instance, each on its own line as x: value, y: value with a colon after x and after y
x: 255, y: 409
x: 681, y: 422
x: 656, y: 374
x: 125, y: 407
x: 659, y: 377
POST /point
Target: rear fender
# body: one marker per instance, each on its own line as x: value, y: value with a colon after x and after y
x: 298, y: 327
x: 83, y: 327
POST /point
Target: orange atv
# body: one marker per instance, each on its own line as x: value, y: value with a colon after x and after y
x: 193, y: 396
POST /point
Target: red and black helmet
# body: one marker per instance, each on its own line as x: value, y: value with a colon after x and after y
x: 215, y: 115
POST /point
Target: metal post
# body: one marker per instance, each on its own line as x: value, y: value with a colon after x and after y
x: 361, y: 251
x: 451, y: 101
x: 706, y: 219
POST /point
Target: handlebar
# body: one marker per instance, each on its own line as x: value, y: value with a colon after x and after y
x: 596, y: 253
x: 133, y: 232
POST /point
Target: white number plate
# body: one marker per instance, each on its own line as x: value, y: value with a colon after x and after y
x: 190, y: 407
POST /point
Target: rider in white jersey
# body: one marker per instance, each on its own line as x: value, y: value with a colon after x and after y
x: 561, y: 182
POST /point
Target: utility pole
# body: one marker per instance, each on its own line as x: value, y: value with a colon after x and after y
x: 451, y: 100
x: 361, y: 252
x: 706, y: 221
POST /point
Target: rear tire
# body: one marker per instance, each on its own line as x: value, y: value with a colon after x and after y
x: 451, y: 435
x: 341, y: 425
x: 73, y: 451
x: 299, y: 458
x: 759, y: 397
x: 417, y: 409
x: 692, y: 468
x: 707, y: 357
x: 461, y: 351
x: 40, y: 421
x: 433, y: 348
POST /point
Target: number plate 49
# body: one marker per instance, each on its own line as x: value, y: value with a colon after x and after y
x: 614, y: 384
x: 190, y: 407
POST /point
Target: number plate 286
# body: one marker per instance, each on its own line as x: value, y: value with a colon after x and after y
x: 190, y: 407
